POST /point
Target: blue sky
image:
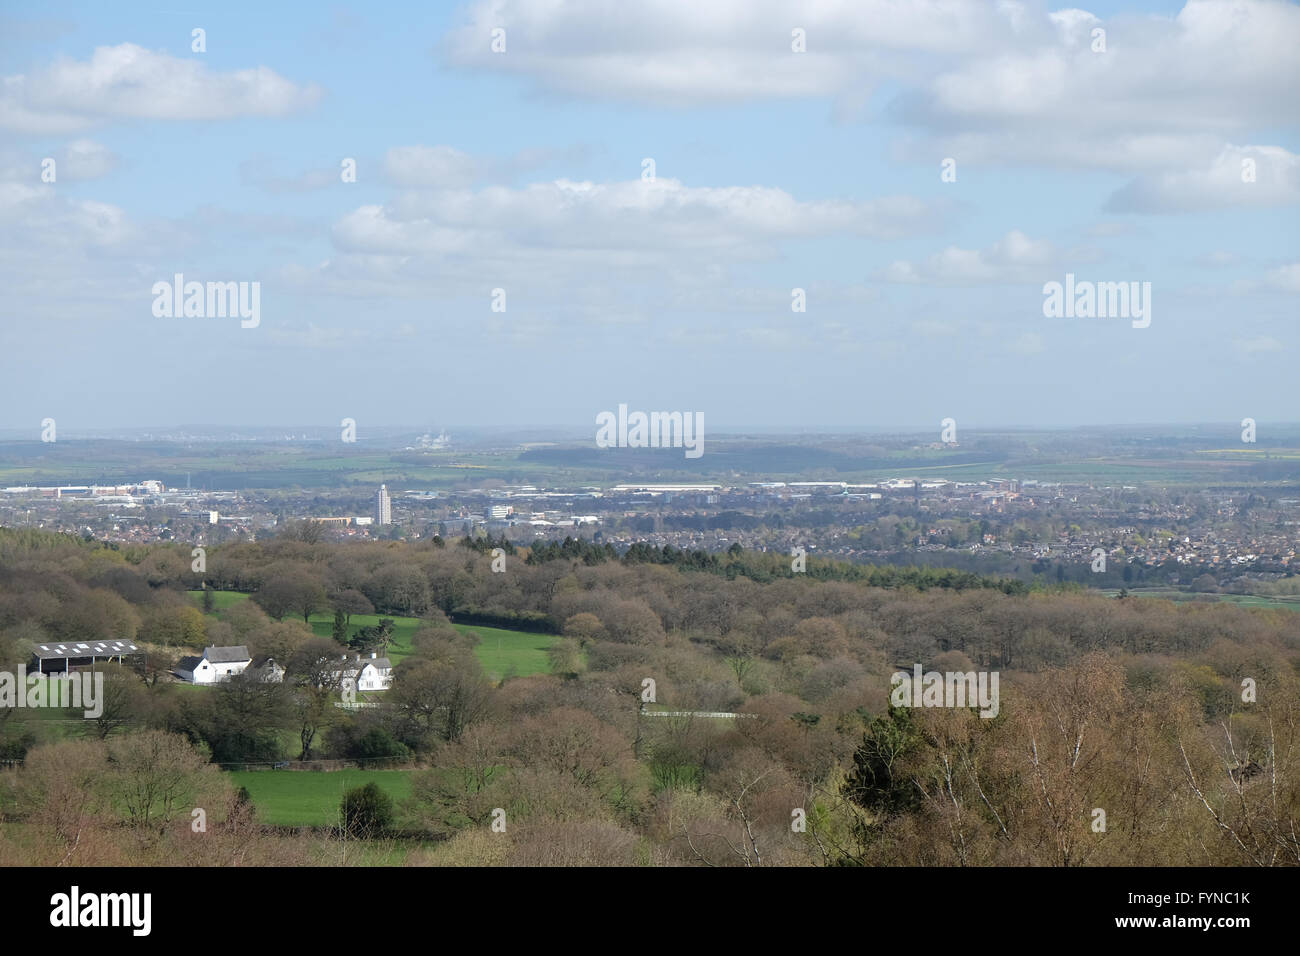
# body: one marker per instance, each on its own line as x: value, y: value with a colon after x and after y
x: 774, y: 170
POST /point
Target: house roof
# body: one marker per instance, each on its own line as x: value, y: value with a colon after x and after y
x: 188, y: 663
x: 75, y: 649
x: 227, y: 655
x: 352, y: 667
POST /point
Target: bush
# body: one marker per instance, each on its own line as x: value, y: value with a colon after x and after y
x: 16, y: 747
x: 378, y: 743
x: 364, y: 740
x: 367, y: 810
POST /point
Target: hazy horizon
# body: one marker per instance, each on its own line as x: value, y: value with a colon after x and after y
x: 578, y: 432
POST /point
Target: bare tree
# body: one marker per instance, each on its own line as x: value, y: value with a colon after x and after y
x: 156, y: 775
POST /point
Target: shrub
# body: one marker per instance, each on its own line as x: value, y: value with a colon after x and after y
x: 367, y: 810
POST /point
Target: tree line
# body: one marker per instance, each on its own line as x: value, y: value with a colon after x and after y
x: 1178, y: 723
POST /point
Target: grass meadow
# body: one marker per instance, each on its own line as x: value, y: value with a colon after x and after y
x: 502, y: 652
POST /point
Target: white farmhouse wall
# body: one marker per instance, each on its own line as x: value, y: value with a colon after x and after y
x: 205, y: 672
x: 372, y: 678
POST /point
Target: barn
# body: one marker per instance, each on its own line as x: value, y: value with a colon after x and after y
x: 60, y: 658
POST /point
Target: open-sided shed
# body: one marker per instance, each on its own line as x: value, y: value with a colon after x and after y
x: 80, y: 654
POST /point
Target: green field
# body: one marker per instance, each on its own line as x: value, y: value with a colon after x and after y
x: 1171, y: 454
x: 404, y: 629
x: 516, y: 653
x: 1193, y: 597
x: 221, y: 600
x: 270, y: 465
x: 312, y: 798
x: 50, y: 690
x: 502, y: 652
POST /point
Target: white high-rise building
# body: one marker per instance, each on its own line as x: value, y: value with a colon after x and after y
x: 383, y: 506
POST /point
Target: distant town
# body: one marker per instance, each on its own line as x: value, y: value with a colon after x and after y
x: 1000, y: 523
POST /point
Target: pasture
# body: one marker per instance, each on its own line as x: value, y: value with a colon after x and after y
x: 502, y: 652
x: 310, y: 797
x: 1194, y: 597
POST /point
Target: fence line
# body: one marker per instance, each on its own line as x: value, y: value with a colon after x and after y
x: 323, y: 764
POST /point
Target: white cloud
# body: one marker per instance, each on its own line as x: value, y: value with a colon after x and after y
x: 682, y: 52
x: 1214, y: 67
x: 1012, y: 259
x: 53, y: 220
x: 68, y: 258
x: 1284, y: 278
x: 434, y: 166
x: 622, y: 222
x: 1219, y: 183
x: 982, y: 82
x: 1074, y: 26
x: 129, y: 82
x: 598, y: 252
x: 84, y: 159
x: 1165, y: 101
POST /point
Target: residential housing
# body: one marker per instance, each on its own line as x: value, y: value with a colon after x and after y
x: 364, y: 673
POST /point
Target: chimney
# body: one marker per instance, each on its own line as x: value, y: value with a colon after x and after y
x: 373, y: 655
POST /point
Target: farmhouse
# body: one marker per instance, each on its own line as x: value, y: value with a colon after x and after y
x: 365, y: 673
x: 268, y: 672
x: 216, y: 664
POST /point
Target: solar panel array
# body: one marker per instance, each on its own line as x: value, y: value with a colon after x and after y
x: 72, y: 649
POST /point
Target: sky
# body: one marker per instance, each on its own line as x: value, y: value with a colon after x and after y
x: 648, y: 184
